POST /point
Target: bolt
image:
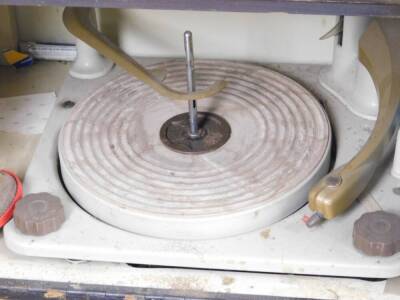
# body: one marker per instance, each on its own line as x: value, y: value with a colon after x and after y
x: 333, y: 181
x: 68, y: 104
x: 315, y: 219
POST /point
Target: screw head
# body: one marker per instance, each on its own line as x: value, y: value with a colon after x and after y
x: 333, y: 181
x: 68, y: 104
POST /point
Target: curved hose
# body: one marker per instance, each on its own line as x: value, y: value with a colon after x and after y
x: 379, y: 53
x: 77, y: 20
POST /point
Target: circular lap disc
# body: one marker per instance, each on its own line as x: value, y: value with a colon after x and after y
x: 116, y: 167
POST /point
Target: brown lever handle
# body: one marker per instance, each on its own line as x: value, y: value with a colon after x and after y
x: 379, y: 53
x: 77, y: 20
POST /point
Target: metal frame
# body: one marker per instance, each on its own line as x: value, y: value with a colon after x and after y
x: 324, y: 7
x: 24, y: 289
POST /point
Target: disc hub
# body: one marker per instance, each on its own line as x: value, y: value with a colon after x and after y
x: 214, y: 131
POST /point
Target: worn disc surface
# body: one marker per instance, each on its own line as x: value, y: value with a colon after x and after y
x: 214, y: 132
x: 116, y: 167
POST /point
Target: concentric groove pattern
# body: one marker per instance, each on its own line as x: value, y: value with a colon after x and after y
x: 116, y: 167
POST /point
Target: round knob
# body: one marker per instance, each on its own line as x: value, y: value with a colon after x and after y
x: 377, y: 233
x: 39, y: 214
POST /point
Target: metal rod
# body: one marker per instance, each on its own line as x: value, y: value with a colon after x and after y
x: 315, y: 219
x: 191, y: 86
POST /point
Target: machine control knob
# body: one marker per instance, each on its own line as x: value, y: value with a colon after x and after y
x: 377, y: 233
x: 39, y: 214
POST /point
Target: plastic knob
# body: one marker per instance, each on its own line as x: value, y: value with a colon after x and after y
x: 377, y: 233
x: 39, y: 214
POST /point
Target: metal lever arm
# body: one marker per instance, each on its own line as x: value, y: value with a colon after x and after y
x: 77, y: 21
x: 379, y: 53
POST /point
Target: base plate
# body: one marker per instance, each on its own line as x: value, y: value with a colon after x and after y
x: 284, y: 247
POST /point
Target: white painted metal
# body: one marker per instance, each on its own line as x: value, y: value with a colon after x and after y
x: 396, y: 160
x: 115, y: 166
x: 285, y: 247
x: 89, y: 64
x: 259, y: 37
x: 347, y: 78
x: 245, y: 285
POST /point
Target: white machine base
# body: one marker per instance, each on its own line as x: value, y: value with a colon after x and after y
x: 284, y: 247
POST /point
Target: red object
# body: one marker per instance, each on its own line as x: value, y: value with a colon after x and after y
x: 305, y: 219
x: 18, y: 195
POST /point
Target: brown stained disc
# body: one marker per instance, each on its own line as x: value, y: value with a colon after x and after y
x: 115, y: 165
x: 214, y: 132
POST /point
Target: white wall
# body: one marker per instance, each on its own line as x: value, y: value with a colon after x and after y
x: 42, y: 24
x: 274, y: 37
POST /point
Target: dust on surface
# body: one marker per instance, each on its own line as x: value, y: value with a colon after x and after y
x: 227, y: 280
x: 54, y: 294
x: 265, y: 233
x: 190, y: 283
